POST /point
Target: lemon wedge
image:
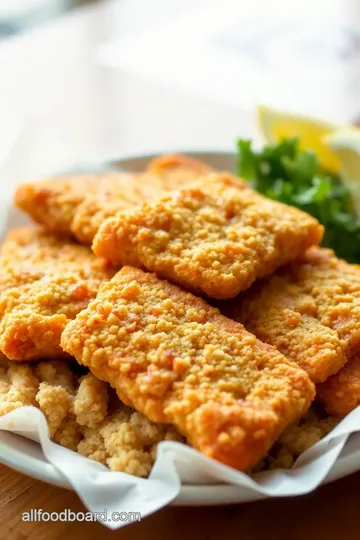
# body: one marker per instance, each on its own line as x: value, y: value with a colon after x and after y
x: 276, y: 125
x: 345, y: 143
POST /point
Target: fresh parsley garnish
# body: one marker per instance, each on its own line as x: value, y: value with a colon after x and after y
x: 285, y: 173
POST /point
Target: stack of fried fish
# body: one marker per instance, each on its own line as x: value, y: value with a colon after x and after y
x: 123, y: 273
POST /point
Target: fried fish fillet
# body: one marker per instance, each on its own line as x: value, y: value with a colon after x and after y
x: 79, y: 204
x: 177, y: 360
x: 281, y: 314
x: 113, y: 193
x: 175, y: 170
x: 335, y: 286
x: 309, y: 310
x: 215, y: 236
x: 45, y: 280
x: 340, y: 394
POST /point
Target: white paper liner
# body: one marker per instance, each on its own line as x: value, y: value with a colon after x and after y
x: 176, y: 464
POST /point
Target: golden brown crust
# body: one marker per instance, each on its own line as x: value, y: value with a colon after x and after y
x: 45, y: 281
x: 178, y: 360
x: 335, y: 286
x: 167, y: 168
x: 112, y: 195
x: 310, y: 311
x: 282, y: 314
x: 52, y: 202
x: 163, y: 174
x: 215, y: 236
x: 340, y: 394
x: 79, y: 204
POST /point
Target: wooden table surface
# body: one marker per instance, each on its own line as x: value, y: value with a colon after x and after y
x: 331, y: 513
x: 74, y: 109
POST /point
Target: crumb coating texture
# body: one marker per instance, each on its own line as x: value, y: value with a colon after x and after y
x: 215, y: 236
x: 282, y: 314
x: 45, y: 280
x: 178, y: 360
x: 78, y: 204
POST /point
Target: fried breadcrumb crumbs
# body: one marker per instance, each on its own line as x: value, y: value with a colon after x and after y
x: 126, y: 441
x: 84, y: 415
x: 55, y: 402
x: 18, y: 386
x: 214, y: 236
x: 310, y: 429
x: 91, y: 402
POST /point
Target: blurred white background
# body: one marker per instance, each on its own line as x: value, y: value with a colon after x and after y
x: 120, y: 77
x: 18, y: 8
x: 302, y: 56
x: 19, y: 15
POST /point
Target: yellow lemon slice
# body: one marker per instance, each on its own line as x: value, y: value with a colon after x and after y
x: 345, y: 143
x: 276, y: 125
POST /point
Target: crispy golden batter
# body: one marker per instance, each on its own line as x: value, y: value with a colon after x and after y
x: 175, y: 170
x: 53, y: 202
x: 111, y: 195
x: 163, y: 174
x: 178, y: 360
x: 340, y: 394
x: 28, y: 253
x: 84, y: 415
x: 283, y: 315
x: 310, y: 311
x: 79, y: 204
x: 335, y: 286
x: 214, y: 237
x: 45, y: 281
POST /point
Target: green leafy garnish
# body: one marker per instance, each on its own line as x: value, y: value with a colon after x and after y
x: 285, y: 173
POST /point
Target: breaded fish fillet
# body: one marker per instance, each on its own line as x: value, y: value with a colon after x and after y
x: 175, y: 170
x: 79, y: 204
x: 340, y: 394
x: 283, y: 315
x: 163, y: 174
x: 45, y: 280
x: 215, y: 236
x: 112, y: 194
x: 309, y: 310
x: 29, y: 253
x: 335, y: 286
x: 178, y: 360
